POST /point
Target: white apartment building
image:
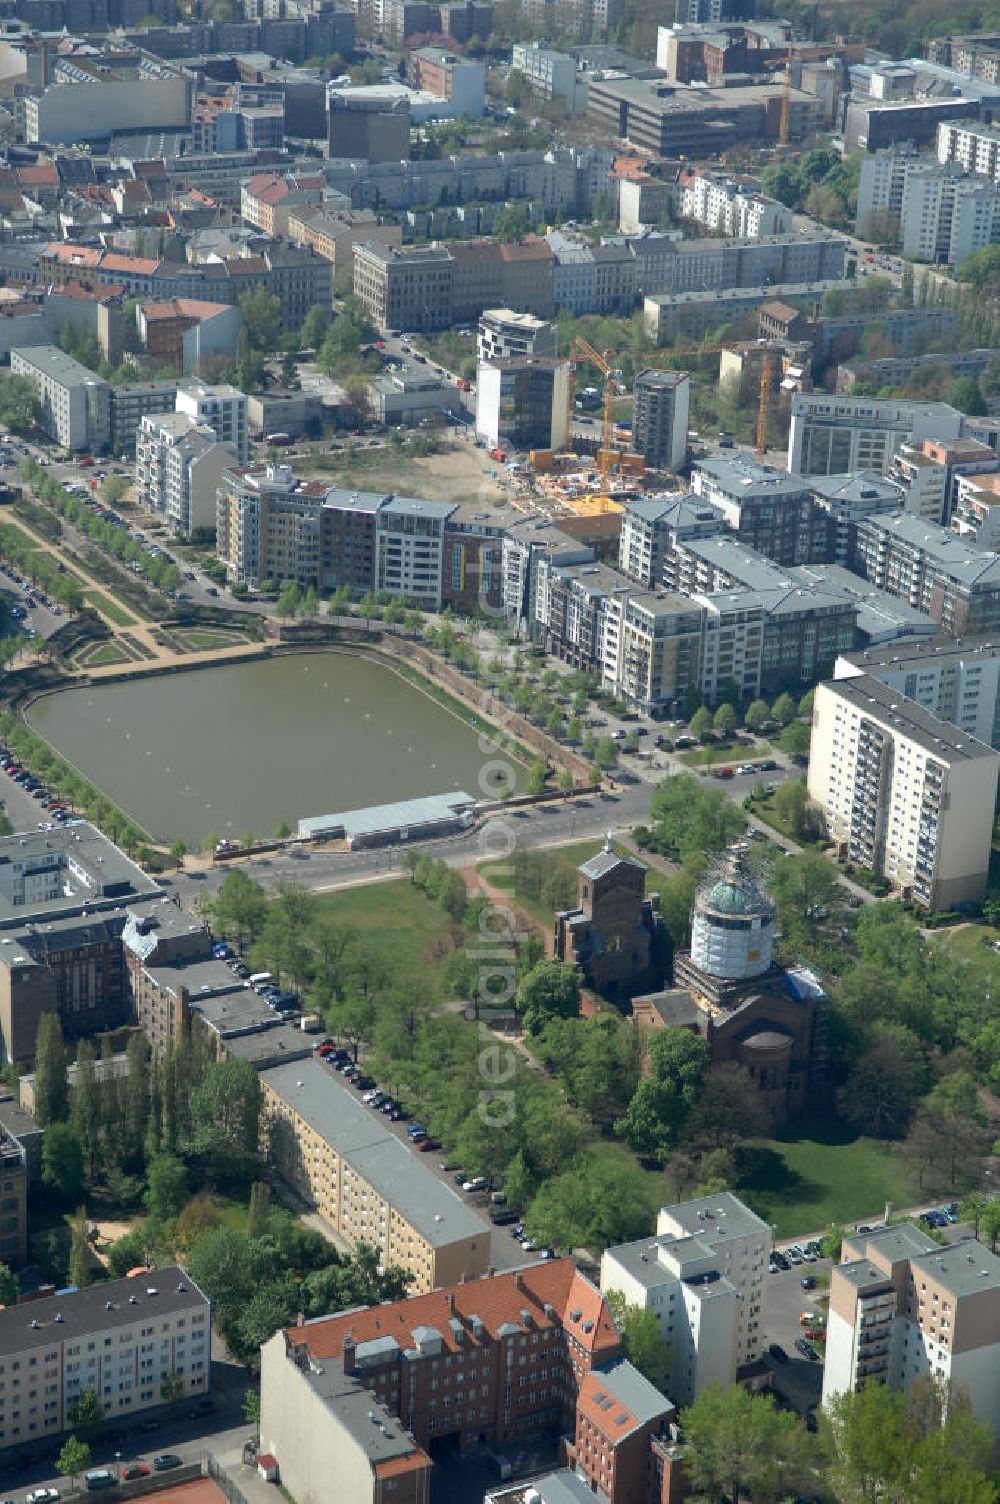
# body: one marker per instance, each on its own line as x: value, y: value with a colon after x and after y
x: 552, y: 75
x: 730, y: 208
x: 903, y: 793
x: 955, y: 683
x: 121, y: 1339
x: 221, y: 408
x: 902, y: 1306
x: 504, y: 333
x: 179, y: 465
x: 75, y: 402
x: 975, y: 146
x: 945, y: 215
x: 977, y: 510
x: 831, y: 435
x: 409, y: 549
x: 923, y: 482
x: 703, y: 1277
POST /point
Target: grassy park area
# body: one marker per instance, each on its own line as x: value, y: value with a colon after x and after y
x: 419, y: 929
x: 105, y: 603
x: 805, y: 1184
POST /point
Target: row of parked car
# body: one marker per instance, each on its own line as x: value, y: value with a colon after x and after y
x: 796, y: 1254
x: 34, y: 786
x: 942, y: 1216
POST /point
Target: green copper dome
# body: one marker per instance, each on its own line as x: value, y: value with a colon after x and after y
x: 727, y: 898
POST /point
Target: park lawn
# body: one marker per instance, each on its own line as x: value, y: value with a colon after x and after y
x: 971, y: 944
x: 204, y: 640
x: 418, y: 927
x: 105, y: 654
x: 713, y: 752
x: 804, y: 1185
x: 104, y: 603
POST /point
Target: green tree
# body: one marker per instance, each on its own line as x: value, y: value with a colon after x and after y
x: 73, y: 1460
x: 642, y: 1340
x: 314, y: 327
x: 885, y: 1081
x: 261, y: 312
x: 8, y: 1287
x: 251, y: 1407
x: 225, y: 1116
x: 51, y: 1086
x: 663, y: 1100
x: 19, y: 404
x: 178, y: 851
x: 81, y: 1258
x: 784, y: 709
x: 965, y: 395
x: 725, y: 720
x: 62, y: 1161
x: 260, y: 1207
x: 701, y: 724
x: 113, y: 489
x: 171, y: 1389
x: 592, y: 1205
x: 168, y: 1187
x: 792, y: 805
x: 758, y: 714
x: 741, y: 1445
x: 86, y: 1414
x: 795, y: 740
x: 537, y: 775
x: 550, y: 990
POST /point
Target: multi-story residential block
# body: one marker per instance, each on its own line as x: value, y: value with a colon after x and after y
x: 130, y: 404
x: 550, y: 75
x: 973, y: 144
x: 939, y: 573
x: 411, y: 288
x: 504, y: 333
x: 592, y: 278
x: 660, y: 418
x: 524, y: 401
x: 364, y: 1182
x: 702, y: 1276
x: 267, y: 201
x: 902, y: 1307
x: 267, y: 525
x: 649, y: 526
x: 730, y: 207
x: 74, y: 402
x: 460, y: 80
x: 903, y: 792
x: 62, y: 902
x: 894, y: 371
x: 695, y: 313
x: 977, y: 511
x: 221, y: 408
x: 409, y: 549
x: 184, y: 332
x: 832, y: 435
x: 651, y: 649
x: 334, y: 234
x: 14, y: 1176
x: 179, y: 465
x: 121, y: 1338
x: 958, y: 684
x: 774, y: 512
x: 440, y: 1363
x: 943, y: 213
x: 703, y: 265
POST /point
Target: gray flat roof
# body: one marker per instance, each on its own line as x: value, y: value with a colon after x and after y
x: 752, y: 294
x: 966, y: 1268
x: 354, y: 1407
x: 95, y: 874
x: 323, y: 1100
x: 961, y: 562
x: 722, y: 1215
x: 743, y: 478
x: 939, y: 738
x: 201, y: 978
x: 82, y: 1312
x: 938, y: 650
x: 376, y: 818
x: 855, y: 486
x: 271, y: 1046
x: 54, y: 363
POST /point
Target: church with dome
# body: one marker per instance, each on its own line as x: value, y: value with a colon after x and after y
x: 764, y: 1017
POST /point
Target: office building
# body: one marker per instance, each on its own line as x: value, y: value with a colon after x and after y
x: 405, y: 289
x: 702, y: 1275
x: 369, y: 1187
x: 409, y: 393
x: 711, y: 12
x: 98, y: 106
x: 74, y: 402
x: 504, y: 333
x: 950, y: 580
x: 371, y: 124
x: 832, y: 435
x: 439, y: 1363
x: 120, y: 1338
x: 771, y: 510
x: 62, y: 898
x: 524, y: 401
x: 903, y: 792
x: 670, y: 122
x: 179, y: 465
x: 871, y: 124
x: 660, y: 418
x: 903, y: 1307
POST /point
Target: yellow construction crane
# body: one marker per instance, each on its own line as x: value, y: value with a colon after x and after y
x: 613, y: 387
x: 786, y: 101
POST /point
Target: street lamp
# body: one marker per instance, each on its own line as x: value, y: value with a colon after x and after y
x: 118, y: 1465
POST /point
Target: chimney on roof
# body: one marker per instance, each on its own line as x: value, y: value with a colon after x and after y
x: 300, y: 1319
x: 347, y: 1353
x: 450, y: 1297
x: 519, y: 1281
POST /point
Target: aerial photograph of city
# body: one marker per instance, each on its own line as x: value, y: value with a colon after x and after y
x: 500, y: 751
